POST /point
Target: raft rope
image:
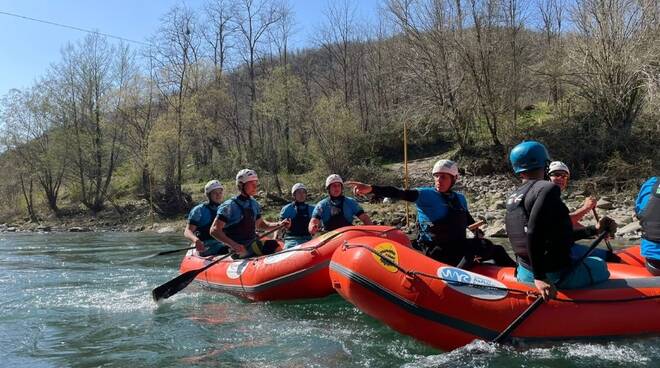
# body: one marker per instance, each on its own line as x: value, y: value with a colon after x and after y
x: 413, y: 274
x: 317, y: 246
x: 325, y: 241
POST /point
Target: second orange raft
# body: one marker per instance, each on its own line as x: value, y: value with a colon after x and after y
x: 295, y: 273
x: 448, y: 307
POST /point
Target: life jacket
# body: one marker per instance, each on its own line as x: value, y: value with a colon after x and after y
x: 337, y: 218
x: 649, y: 217
x: 516, y: 220
x: 300, y: 222
x: 204, y: 232
x: 449, y: 231
x: 244, y: 231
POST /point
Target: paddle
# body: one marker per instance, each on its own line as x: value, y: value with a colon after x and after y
x: 537, y: 303
x: 180, y: 282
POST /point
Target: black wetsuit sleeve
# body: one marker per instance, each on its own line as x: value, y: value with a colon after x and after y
x: 545, y: 210
x: 470, y: 219
x: 584, y: 233
x: 409, y: 195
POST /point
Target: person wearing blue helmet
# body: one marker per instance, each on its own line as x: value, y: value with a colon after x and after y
x: 443, y: 217
x: 647, y: 208
x: 540, y: 228
x: 200, y: 219
x: 299, y: 213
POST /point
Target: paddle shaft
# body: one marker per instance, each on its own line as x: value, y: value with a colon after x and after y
x: 532, y: 307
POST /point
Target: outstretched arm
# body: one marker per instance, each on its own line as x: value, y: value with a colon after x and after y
x: 359, y: 188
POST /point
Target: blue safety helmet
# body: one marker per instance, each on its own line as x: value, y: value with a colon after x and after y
x: 528, y: 155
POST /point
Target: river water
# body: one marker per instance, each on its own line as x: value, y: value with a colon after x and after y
x: 67, y: 301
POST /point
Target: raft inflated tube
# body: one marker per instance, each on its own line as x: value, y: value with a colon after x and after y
x: 295, y: 273
x: 447, y: 307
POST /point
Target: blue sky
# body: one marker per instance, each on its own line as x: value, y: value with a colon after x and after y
x: 27, y: 48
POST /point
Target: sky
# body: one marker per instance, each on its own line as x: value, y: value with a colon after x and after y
x: 27, y: 47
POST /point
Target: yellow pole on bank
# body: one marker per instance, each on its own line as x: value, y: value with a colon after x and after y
x: 405, y: 168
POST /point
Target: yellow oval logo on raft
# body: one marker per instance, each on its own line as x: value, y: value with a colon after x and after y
x: 389, y: 251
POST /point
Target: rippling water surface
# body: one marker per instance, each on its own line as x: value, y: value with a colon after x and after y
x: 68, y: 302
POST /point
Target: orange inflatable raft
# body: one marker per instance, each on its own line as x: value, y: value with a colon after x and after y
x: 294, y: 273
x: 448, y: 307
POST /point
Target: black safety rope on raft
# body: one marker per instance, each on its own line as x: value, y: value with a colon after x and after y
x: 413, y: 273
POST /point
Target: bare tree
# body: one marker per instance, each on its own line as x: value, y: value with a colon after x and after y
x: 253, y: 20
x: 431, y: 61
x: 339, y: 34
x: 479, y: 41
x: 616, y: 40
x: 219, y: 30
x: 552, y: 68
x: 34, y: 131
x: 86, y: 91
x: 175, y: 56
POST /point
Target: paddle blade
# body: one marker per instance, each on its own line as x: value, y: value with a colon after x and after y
x: 175, y: 285
x: 180, y: 282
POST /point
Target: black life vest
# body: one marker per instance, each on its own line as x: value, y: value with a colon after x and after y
x: 517, y: 219
x: 337, y: 218
x: 204, y: 232
x: 649, y: 217
x: 300, y: 222
x: 244, y: 231
x: 449, y: 231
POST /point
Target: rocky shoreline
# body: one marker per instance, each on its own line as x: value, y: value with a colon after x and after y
x: 486, y: 196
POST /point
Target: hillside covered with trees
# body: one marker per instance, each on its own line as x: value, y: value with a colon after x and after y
x: 219, y: 89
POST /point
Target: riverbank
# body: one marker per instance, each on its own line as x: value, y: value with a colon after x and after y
x: 486, y: 195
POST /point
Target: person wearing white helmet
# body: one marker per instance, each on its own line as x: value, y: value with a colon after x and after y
x: 443, y: 216
x: 336, y: 210
x: 200, y: 219
x: 299, y: 213
x: 238, y: 218
x: 559, y: 174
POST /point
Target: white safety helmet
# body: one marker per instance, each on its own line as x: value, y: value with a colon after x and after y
x: 297, y: 186
x: 446, y: 166
x: 211, y: 186
x: 245, y: 176
x: 334, y: 178
x: 558, y: 166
